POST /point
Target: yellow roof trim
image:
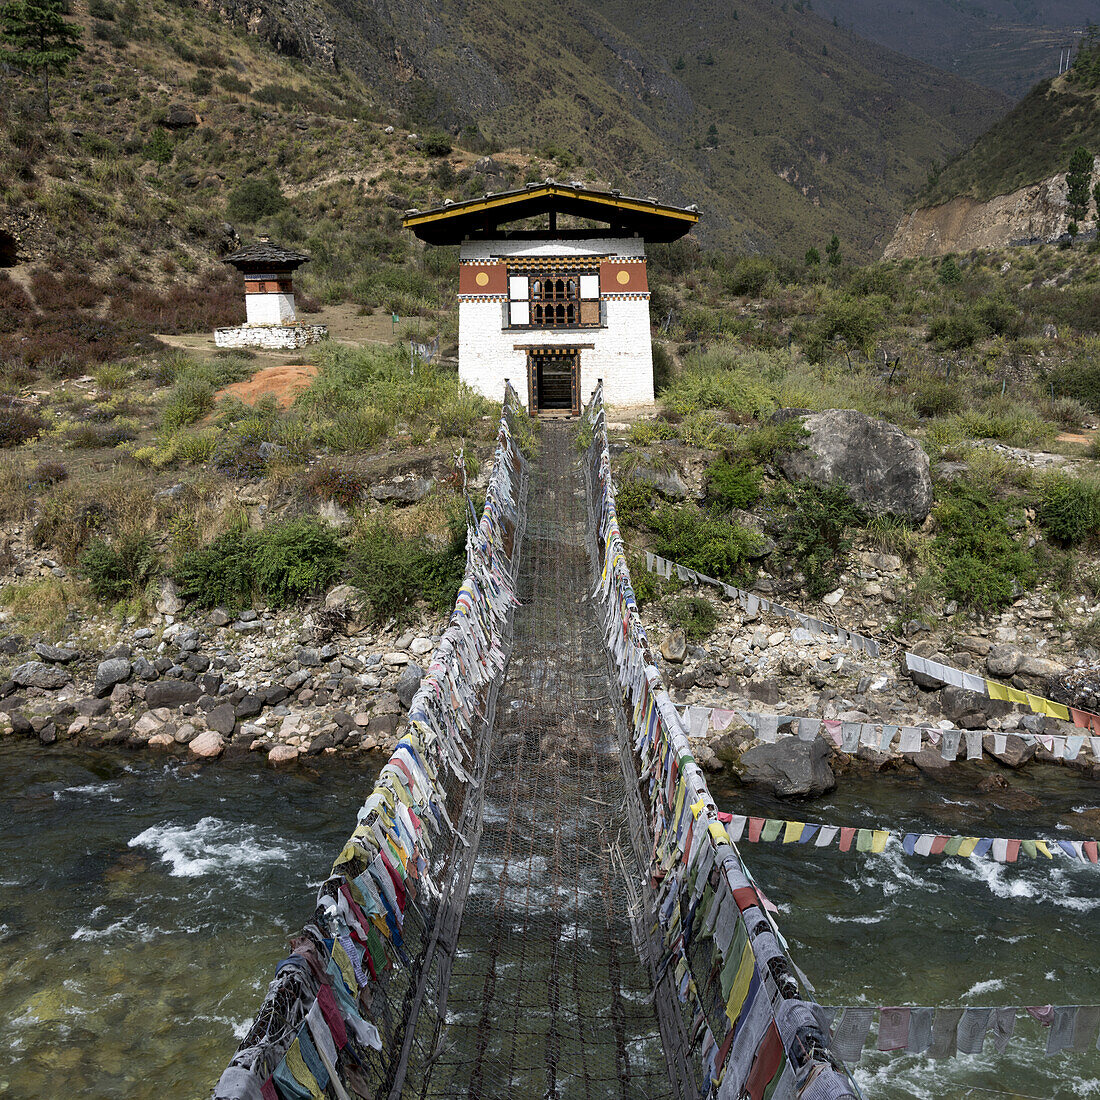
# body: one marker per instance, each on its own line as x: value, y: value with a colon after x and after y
x: 474, y: 206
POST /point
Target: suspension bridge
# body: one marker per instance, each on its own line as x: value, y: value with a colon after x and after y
x: 539, y: 898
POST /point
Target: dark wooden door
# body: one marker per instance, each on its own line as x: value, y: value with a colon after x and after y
x: 554, y: 382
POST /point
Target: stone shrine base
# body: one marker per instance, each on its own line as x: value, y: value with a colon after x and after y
x: 269, y: 336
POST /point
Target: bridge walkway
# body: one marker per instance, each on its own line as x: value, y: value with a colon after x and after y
x: 548, y: 996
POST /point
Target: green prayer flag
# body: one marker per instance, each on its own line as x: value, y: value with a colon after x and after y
x: 771, y: 830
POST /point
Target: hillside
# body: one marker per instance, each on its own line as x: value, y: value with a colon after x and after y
x: 814, y: 131
x: 1005, y: 44
x: 1010, y: 184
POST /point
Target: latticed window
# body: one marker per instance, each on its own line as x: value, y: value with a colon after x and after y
x: 554, y: 300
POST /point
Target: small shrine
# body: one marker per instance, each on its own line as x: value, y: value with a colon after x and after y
x: 271, y: 319
x: 553, y: 288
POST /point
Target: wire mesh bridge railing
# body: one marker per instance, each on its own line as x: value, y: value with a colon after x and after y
x: 518, y: 914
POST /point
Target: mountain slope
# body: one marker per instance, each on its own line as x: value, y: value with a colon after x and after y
x: 1004, y: 44
x: 815, y: 131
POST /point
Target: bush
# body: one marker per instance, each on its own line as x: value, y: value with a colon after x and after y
x: 934, y: 397
x: 345, y: 487
x: 980, y: 565
x: 851, y: 321
x: 705, y: 543
x: 190, y: 399
x: 765, y: 443
x: 634, y: 501
x: 18, y: 426
x: 282, y: 563
x: 724, y: 378
x: 1069, y: 508
x: 811, y: 525
x: 254, y: 199
x: 695, y: 616
x: 1080, y: 377
x: 296, y: 558
x: 396, y: 570
x: 736, y: 486
x: 48, y: 473
x: 116, y: 571
x: 956, y: 330
x: 645, y: 432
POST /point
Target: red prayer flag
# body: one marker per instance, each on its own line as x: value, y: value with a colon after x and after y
x: 755, y: 826
x: 1089, y: 848
x: 767, y: 1063
x: 1012, y: 851
x: 938, y: 845
x: 846, y: 838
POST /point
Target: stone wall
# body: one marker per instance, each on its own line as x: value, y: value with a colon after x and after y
x: 270, y: 309
x: 274, y: 337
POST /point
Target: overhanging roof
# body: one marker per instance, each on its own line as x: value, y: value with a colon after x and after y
x: 454, y: 222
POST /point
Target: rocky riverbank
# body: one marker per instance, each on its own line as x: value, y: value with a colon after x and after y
x: 285, y: 684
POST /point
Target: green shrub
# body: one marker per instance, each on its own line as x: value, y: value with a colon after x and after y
x: 282, y: 563
x: 1069, y: 508
x: 18, y: 426
x: 345, y: 487
x: 116, y: 571
x: 736, y: 486
x: 980, y: 565
x: 190, y: 399
x: 296, y: 558
x: 949, y: 273
x: 634, y: 500
x: 934, y: 397
x: 765, y: 443
x: 1079, y: 378
x: 664, y: 368
x: 254, y: 199
x: 726, y: 377
x: 645, y: 432
x: 694, y: 615
x: 956, y: 330
x: 852, y: 321
x: 646, y: 585
x: 705, y: 543
x: 395, y: 570
x: 811, y: 524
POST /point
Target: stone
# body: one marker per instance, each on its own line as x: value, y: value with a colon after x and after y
x: 421, y: 647
x: 168, y: 600
x: 282, y: 754
x: 180, y: 117
x: 388, y: 704
x: 161, y: 741
x: 92, y: 708
x: 410, y: 490
x: 116, y: 651
x: 250, y: 706
x: 196, y: 662
x: 186, y: 734
x: 321, y: 742
x: 669, y: 483
x: 207, y: 745
x: 147, y: 724
x: 969, y: 710
x: 56, y: 654
x: 308, y: 658
x: 296, y: 679
x: 1002, y: 661
x: 222, y: 719
x: 144, y: 669
x: 384, y: 726
x: 1036, y: 671
x: 790, y: 768
x: 172, y: 693
x: 885, y: 470
x: 219, y: 617
x: 929, y: 761
x: 115, y: 670
x: 248, y: 627
x: 831, y: 599
x: 395, y: 658
x: 38, y: 674
x: 408, y: 684
x: 1017, y: 751
x: 766, y: 691
x: 674, y: 647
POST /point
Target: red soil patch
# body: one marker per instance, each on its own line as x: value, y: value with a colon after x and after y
x: 284, y: 382
x: 1073, y: 437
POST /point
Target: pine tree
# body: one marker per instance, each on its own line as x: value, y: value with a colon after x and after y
x: 38, y: 39
x: 1079, y: 183
x: 813, y: 257
x: 832, y: 251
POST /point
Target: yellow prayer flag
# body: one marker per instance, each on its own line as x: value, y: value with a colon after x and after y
x: 1017, y: 696
x: 718, y: 833
x: 741, y: 982
x: 878, y: 840
x: 969, y: 843
x: 697, y: 807
x: 301, y: 1072
x: 793, y: 831
x: 997, y: 691
x: 1041, y: 846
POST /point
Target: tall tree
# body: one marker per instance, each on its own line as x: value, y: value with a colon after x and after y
x: 38, y: 39
x: 1079, y: 183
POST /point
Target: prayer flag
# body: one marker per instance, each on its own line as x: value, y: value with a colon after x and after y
x: 972, y: 1029
x: 893, y: 1028
x: 851, y: 1033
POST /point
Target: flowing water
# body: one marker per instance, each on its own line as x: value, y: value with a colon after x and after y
x: 144, y: 904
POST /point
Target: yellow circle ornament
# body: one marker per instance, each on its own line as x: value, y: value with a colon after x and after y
x: 623, y: 277
x: 482, y: 278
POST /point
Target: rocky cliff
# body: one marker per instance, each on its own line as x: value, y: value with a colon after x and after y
x: 1030, y: 214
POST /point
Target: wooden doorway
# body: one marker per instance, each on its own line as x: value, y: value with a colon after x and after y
x: 554, y: 382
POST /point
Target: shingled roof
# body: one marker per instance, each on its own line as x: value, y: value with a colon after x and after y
x: 265, y: 255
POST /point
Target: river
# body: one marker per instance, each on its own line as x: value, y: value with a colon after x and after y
x: 144, y: 903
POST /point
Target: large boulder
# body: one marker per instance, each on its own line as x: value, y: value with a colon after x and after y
x: 171, y: 693
x: 885, y: 470
x: 408, y: 684
x: 969, y: 710
x: 112, y: 671
x: 669, y: 483
x: 38, y: 674
x: 790, y: 768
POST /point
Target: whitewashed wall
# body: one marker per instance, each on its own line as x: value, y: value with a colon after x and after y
x: 269, y: 309
x: 623, y: 353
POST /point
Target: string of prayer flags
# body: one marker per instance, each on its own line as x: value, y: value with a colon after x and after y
x: 316, y: 1029
x: 736, y: 987
x: 993, y: 689
x: 874, y: 841
x: 848, y: 736
x: 943, y: 1032
x: 752, y: 604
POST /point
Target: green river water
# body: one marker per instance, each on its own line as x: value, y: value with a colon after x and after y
x: 144, y: 904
